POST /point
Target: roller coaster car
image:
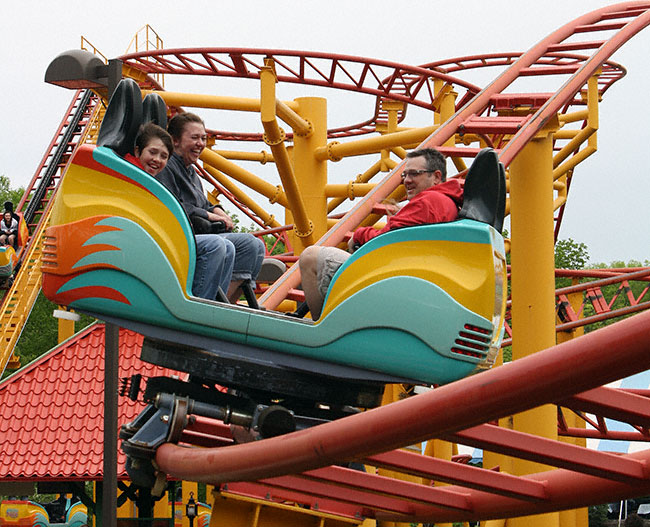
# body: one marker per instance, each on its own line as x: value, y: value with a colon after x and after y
x: 9, y: 255
x: 419, y: 305
x: 22, y: 513
x: 64, y: 512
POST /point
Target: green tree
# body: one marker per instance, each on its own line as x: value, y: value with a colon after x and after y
x: 570, y: 254
x: 598, y: 515
x: 9, y: 194
x: 615, y: 294
x: 40, y: 333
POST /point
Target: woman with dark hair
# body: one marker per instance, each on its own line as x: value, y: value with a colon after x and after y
x: 190, y: 138
x: 153, y: 147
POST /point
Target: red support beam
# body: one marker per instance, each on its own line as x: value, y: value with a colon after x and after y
x: 550, y: 452
x: 456, y: 473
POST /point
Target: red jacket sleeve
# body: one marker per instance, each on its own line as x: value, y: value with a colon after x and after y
x: 416, y: 212
x: 425, y: 208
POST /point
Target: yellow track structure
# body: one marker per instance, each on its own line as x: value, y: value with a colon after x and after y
x: 233, y: 510
x: 19, y: 300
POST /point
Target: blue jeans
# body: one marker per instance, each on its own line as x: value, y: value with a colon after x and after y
x: 249, y: 254
x: 215, y: 257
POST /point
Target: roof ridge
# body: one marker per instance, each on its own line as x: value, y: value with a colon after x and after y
x: 48, y: 355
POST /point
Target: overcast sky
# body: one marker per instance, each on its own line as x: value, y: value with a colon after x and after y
x: 608, y: 206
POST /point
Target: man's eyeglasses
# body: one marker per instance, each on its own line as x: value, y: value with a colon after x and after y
x: 413, y: 173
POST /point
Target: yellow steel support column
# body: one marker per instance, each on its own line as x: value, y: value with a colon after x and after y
x: 392, y: 108
x: 274, y: 137
x: 533, y: 286
x: 311, y: 173
x: 66, y: 329
x: 576, y: 517
x: 161, y: 508
x: 447, y: 105
x: 440, y: 450
x: 492, y: 460
x: 437, y: 448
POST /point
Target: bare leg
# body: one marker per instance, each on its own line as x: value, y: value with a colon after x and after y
x: 309, y: 272
x: 3, y: 239
x: 11, y: 240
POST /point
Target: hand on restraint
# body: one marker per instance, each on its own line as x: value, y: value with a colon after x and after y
x: 218, y: 214
x: 352, y: 245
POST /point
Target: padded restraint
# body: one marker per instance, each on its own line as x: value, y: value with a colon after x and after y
x: 484, y: 198
x: 123, y: 118
x: 154, y: 110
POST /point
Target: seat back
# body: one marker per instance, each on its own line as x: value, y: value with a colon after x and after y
x: 123, y: 118
x: 484, y: 197
x: 154, y: 110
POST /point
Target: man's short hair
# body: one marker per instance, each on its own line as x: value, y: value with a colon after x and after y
x: 434, y: 160
x: 178, y: 122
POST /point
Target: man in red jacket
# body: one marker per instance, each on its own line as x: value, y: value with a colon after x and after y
x: 432, y: 199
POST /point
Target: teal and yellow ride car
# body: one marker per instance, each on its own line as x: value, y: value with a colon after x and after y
x: 423, y: 303
x: 418, y: 305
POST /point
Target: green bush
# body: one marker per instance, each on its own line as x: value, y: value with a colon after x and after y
x: 598, y: 515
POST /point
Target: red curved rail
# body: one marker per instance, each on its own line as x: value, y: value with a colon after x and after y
x: 381, y: 78
x: 462, y: 409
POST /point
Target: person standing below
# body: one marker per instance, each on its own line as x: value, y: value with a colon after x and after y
x: 214, y: 256
x: 431, y: 199
x: 179, y: 176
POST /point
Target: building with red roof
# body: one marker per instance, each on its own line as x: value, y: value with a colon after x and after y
x: 52, y: 410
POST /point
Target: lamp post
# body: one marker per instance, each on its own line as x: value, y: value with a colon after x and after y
x: 190, y: 509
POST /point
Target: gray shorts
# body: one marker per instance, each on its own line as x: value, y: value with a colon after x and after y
x: 329, y: 261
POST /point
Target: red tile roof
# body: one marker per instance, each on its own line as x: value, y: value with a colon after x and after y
x: 52, y: 410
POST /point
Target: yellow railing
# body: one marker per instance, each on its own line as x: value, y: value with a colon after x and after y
x: 92, y: 128
x: 87, y: 46
x: 20, y: 299
x: 146, y: 39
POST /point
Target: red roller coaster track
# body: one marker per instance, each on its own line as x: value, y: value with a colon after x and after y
x: 459, y: 412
